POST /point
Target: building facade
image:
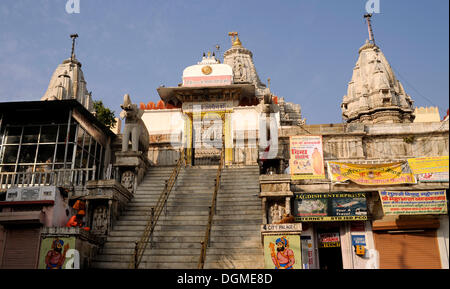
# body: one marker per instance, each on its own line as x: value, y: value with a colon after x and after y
x: 371, y: 192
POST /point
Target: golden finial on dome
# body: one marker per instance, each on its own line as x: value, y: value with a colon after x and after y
x: 235, y: 41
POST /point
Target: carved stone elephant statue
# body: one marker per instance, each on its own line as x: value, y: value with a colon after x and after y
x: 135, y: 129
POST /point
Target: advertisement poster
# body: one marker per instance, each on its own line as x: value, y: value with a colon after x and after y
x: 52, y: 254
x: 414, y: 202
x: 310, y: 207
x: 329, y: 240
x: 358, y: 240
x: 371, y: 174
x: 306, y: 157
x: 430, y: 169
x: 307, y: 252
x: 282, y: 252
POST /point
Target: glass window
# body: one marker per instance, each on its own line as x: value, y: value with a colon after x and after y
x: 27, y: 154
x: 80, y: 137
x: 87, y: 142
x: 30, y: 134
x: 63, y: 133
x: 78, y: 157
x: 7, y: 169
x: 48, y: 134
x: 13, y: 135
x: 45, y: 154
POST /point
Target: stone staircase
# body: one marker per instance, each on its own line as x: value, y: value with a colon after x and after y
x: 235, y: 235
x: 177, y: 236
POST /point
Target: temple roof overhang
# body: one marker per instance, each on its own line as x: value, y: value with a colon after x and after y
x: 178, y: 95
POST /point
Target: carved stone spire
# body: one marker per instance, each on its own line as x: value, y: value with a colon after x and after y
x: 241, y: 61
x: 67, y: 82
x: 374, y: 94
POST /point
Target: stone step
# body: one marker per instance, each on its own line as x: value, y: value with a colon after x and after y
x: 238, y: 253
x: 215, y: 242
x: 137, y: 213
x: 163, y: 218
x: 150, y: 258
x: 198, y: 201
x: 131, y: 245
x: 199, y: 232
x: 232, y: 264
x: 145, y: 265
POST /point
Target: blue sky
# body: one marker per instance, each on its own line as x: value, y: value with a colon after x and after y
x: 307, y: 47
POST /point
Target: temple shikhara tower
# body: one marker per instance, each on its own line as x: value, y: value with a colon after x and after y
x: 222, y: 173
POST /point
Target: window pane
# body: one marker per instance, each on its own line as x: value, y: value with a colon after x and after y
x: 73, y: 129
x: 30, y: 134
x: 78, y: 157
x: 13, y: 135
x: 48, y: 133
x: 60, y: 152
x: 45, y: 154
x: 98, y: 153
x: 10, y: 155
x: 27, y: 153
x: 80, y: 137
x: 87, y: 142
x: 91, y: 161
x: 62, y: 133
x: 25, y: 168
x: 7, y: 169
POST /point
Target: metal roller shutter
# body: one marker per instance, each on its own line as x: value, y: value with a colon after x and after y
x: 21, y: 248
x: 408, y: 250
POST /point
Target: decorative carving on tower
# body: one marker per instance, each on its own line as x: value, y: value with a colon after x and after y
x: 241, y: 61
x: 374, y: 94
x: 67, y: 82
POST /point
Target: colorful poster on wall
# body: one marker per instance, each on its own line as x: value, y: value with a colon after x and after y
x: 306, y: 157
x: 52, y: 254
x: 319, y: 207
x: 430, y: 169
x: 307, y: 252
x: 358, y: 240
x: 282, y: 252
x: 371, y: 174
x: 329, y: 240
x: 413, y: 202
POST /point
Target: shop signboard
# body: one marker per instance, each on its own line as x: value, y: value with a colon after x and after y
x: 329, y: 240
x: 358, y: 240
x: 306, y: 157
x: 371, y: 174
x: 413, y: 202
x: 282, y: 252
x: 430, y: 169
x: 320, y: 207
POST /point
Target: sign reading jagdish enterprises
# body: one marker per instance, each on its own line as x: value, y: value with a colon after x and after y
x: 311, y: 207
x: 413, y: 203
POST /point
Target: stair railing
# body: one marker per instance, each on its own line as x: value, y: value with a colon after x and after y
x: 212, y: 212
x: 155, y: 212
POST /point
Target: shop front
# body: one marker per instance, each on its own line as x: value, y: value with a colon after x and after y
x: 410, y: 232
x: 334, y: 232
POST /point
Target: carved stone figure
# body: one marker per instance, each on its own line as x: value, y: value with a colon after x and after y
x: 100, y: 220
x: 128, y: 180
x: 276, y: 213
x: 134, y: 127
